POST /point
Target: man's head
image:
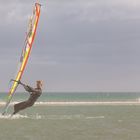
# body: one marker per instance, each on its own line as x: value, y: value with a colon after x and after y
x: 39, y: 84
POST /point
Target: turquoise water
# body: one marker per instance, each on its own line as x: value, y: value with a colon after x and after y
x: 92, y: 122
x: 77, y: 96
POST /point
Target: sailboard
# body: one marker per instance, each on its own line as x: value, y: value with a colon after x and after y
x: 29, y: 39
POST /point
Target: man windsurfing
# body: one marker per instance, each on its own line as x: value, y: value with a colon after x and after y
x: 34, y: 95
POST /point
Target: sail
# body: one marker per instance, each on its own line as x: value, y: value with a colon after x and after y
x: 30, y: 36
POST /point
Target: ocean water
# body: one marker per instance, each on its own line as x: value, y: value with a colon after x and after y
x: 74, y: 116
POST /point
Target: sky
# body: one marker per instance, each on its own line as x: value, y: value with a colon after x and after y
x: 80, y: 45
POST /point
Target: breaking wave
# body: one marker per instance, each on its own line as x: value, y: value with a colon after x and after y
x: 81, y: 103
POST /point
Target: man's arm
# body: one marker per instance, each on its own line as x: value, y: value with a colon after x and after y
x: 26, y: 87
x: 32, y: 90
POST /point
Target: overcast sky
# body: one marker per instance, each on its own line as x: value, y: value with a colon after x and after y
x: 81, y: 45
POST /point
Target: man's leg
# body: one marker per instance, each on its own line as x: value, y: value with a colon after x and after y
x: 21, y: 106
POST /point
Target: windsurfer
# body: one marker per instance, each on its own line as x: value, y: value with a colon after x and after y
x: 34, y: 95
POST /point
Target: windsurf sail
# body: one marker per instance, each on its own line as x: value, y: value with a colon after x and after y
x: 30, y: 36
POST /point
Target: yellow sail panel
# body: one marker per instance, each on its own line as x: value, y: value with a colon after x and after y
x: 26, y: 51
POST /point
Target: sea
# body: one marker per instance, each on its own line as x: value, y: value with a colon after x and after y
x: 73, y: 116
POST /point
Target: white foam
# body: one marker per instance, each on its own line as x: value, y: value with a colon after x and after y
x: 9, y: 116
x: 80, y: 103
x: 48, y: 117
x: 87, y: 103
x: 95, y: 117
x: 19, y: 116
